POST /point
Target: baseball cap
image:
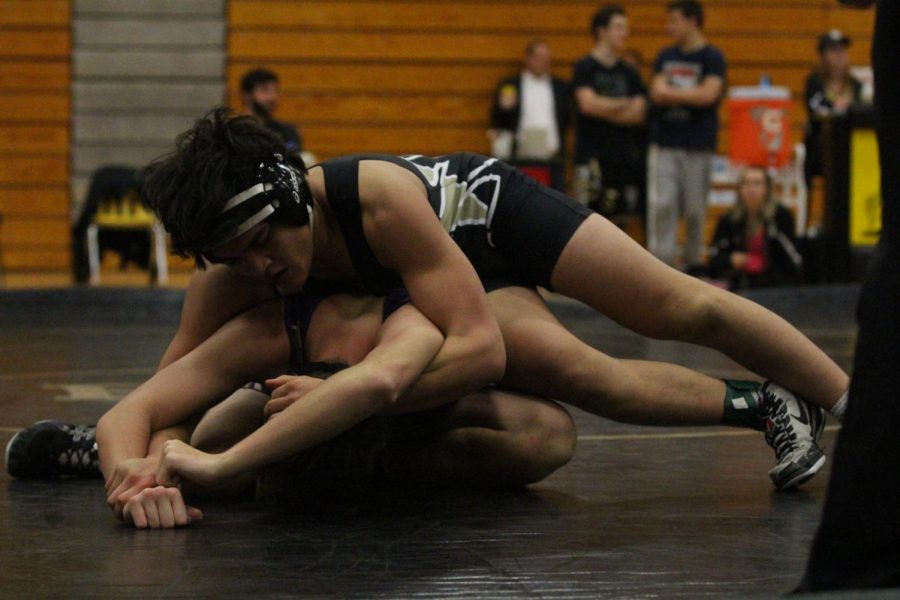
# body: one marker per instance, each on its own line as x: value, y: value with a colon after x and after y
x: 833, y: 38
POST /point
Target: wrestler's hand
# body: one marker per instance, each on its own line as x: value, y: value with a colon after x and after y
x: 180, y: 461
x: 287, y: 389
x: 159, y: 508
x: 129, y: 477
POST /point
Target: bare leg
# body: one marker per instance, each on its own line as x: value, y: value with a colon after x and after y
x: 544, y: 358
x: 605, y: 268
x: 493, y: 438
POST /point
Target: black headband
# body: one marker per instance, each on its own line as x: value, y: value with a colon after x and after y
x: 277, y: 185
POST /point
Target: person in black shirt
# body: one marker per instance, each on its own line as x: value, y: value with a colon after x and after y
x: 259, y: 98
x: 687, y: 85
x: 754, y: 243
x: 610, y: 151
x: 830, y: 91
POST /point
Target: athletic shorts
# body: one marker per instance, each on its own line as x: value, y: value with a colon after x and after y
x: 532, y: 225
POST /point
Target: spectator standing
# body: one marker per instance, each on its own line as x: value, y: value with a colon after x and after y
x: 754, y: 244
x: 830, y: 91
x: 610, y: 150
x: 688, y: 82
x: 260, y: 91
x: 530, y: 114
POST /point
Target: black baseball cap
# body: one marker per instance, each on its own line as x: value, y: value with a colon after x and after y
x: 832, y: 39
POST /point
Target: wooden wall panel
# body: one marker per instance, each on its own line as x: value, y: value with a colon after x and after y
x: 143, y: 71
x: 29, y: 139
x: 338, y: 139
x: 559, y: 16
x: 33, y: 169
x: 34, y: 133
x: 35, y: 106
x: 44, y: 13
x: 33, y: 202
x: 30, y: 75
x: 417, y: 75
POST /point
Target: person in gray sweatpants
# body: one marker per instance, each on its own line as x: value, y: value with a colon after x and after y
x: 687, y: 86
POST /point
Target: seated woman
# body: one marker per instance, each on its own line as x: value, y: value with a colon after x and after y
x: 754, y: 242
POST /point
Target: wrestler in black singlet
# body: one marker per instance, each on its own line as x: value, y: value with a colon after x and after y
x: 511, y: 228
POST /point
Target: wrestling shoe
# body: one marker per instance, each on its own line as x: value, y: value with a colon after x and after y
x: 52, y: 449
x: 792, y: 428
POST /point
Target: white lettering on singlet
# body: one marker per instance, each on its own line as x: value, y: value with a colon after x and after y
x: 459, y: 205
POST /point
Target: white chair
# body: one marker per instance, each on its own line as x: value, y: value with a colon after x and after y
x: 127, y: 214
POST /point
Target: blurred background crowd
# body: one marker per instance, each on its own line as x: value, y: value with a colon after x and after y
x: 720, y: 135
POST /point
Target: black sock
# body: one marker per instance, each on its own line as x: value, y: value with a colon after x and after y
x: 742, y: 404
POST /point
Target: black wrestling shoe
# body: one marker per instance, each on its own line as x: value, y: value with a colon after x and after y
x: 52, y: 449
x: 792, y: 428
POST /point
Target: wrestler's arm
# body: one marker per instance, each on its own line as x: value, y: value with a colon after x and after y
x: 405, y: 235
x: 406, y: 344
x: 214, y: 296
x: 128, y: 477
x: 246, y: 347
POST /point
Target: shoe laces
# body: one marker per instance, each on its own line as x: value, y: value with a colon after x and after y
x: 78, y: 449
x: 81, y: 433
x: 779, y: 433
x: 77, y: 458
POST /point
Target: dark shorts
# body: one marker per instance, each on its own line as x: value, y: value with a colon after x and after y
x: 534, y: 226
x: 531, y: 226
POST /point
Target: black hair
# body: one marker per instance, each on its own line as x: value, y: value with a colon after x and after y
x: 213, y: 160
x: 691, y: 9
x: 532, y: 45
x: 604, y: 15
x: 256, y: 77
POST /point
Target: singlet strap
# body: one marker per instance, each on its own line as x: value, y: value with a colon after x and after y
x: 342, y: 188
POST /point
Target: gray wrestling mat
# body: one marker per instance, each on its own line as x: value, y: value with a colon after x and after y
x: 640, y: 512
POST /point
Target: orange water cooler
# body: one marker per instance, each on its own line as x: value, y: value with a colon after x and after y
x: 760, y: 125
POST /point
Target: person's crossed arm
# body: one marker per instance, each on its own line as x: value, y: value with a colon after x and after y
x: 706, y: 94
x: 405, y: 346
x: 624, y: 110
